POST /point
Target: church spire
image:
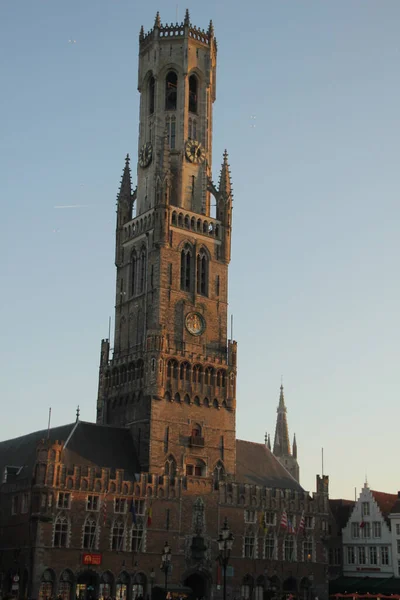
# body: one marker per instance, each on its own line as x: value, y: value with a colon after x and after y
x: 281, y: 442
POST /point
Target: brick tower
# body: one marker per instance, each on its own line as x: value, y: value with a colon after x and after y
x: 172, y: 375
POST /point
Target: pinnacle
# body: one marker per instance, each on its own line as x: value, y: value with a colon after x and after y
x: 157, y: 21
x: 211, y: 28
x: 125, y: 190
x: 225, y: 185
x: 141, y: 34
x: 187, y: 17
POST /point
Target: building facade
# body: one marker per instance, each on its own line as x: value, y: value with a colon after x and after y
x: 86, y: 508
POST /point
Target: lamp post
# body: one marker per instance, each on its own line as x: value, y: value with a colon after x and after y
x: 152, y: 578
x: 166, y: 563
x: 225, y: 543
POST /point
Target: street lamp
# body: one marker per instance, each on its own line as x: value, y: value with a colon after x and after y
x: 166, y: 565
x: 225, y: 543
x: 152, y: 578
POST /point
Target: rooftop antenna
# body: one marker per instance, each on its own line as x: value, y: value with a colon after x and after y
x: 355, y: 494
x: 322, y: 459
x: 177, y: 8
x: 48, y: 426
x: 78, y: 412
x: 109, y: 329
x: 232, y: 327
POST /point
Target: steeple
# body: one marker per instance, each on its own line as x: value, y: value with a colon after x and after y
x: 281, y: 442
x: 125, y: 190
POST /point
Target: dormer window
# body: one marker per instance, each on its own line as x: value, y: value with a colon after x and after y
x: 171, y: 90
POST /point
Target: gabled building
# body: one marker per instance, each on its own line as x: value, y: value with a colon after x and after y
x: 394, y: 518
x: 370, y: 545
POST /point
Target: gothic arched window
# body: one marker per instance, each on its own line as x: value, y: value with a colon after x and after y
x: 152, y: 85
x: 218, y: 473
x: 170, y: 125
x: 133, y: 272
x: 61, y: 527
x: 185, y: 371
x: 269, y: 545
x: 193, y: 85
x: 202, y: 273
x: 186, y: 268
x: 171, y: 89
x: 89, y: 534
x: 137, y: 537
x: 117, y: 536
x: 170, y: 466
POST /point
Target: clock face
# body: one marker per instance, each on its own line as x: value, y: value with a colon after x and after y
x: 194, y: 152
x: 145, y: 155
x: 195, y: 323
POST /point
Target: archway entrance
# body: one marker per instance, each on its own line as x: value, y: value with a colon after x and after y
x: 198, y: 584
x: 87, y: 585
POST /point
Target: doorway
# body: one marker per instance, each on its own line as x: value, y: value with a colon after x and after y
x: 86, y: 585
x: 198, y: 584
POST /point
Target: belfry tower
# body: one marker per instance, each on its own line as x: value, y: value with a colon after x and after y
x: 172, y: 375
x: 281, y: 447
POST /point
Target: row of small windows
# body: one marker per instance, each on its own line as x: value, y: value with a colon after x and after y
x: 171, y: 93
x: 187, y: 270
x: 185, y: 372
x: 195, y: 467
x: 197, y: 401
x: 133, y: 372
x: 122, y: 538
x: 190, y: 223
x: 290, y: 549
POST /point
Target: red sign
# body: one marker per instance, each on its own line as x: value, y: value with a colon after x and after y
x: 91, y: 559
x: 368, y: 569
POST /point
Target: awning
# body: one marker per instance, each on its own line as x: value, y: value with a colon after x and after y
x: 350, y: 586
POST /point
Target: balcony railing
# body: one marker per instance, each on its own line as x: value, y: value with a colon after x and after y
x: 196, y: 440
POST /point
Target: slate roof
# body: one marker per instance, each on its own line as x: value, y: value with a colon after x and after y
x: 384, y: 501
x: 396, y: 506
x: 341, y: 511
x: 256, y: 464
x: 88, y: 444
x: 21, y: 451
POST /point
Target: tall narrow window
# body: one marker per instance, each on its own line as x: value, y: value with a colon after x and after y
x: 133, y: 272
x: 117, y: 536
x: 166, y: 439
x: 170, y: 124
x: 192, y: 128
x: 186, y: 268
x: 60, y: 538
x: 171, y: 88
x: 152, y: 84
x: 202, y: 273
x: 193, y: 94
x: 142, y: 279
x: 89, y: 533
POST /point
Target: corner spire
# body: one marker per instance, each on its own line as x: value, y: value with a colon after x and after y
x: 141, y: 34
x: 281, y: 442
x: 225, y: 185
x: 78, y: 412
x: 187, y: 17
x: 125, y: 190
x: 157, y: 20
x: 294, y: 447
x: 211, y: 29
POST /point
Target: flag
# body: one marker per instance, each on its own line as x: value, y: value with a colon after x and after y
x: 132, y: 510
x: 149, y: 515
x: 362, y: 524
x: 302, y: 524
x: 263, y: 523
x: 284, y: 520
x: 290, y: 528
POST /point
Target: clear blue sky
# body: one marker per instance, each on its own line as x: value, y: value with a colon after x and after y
x: 314, y: 278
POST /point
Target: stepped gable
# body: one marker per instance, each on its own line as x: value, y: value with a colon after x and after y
x: 102, y: 446
x: 341, y: 510
x: 21, y: 451
x: 385, y: 502
x: 256, y: 464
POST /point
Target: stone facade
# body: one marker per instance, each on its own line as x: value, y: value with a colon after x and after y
x: 87, y: 508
